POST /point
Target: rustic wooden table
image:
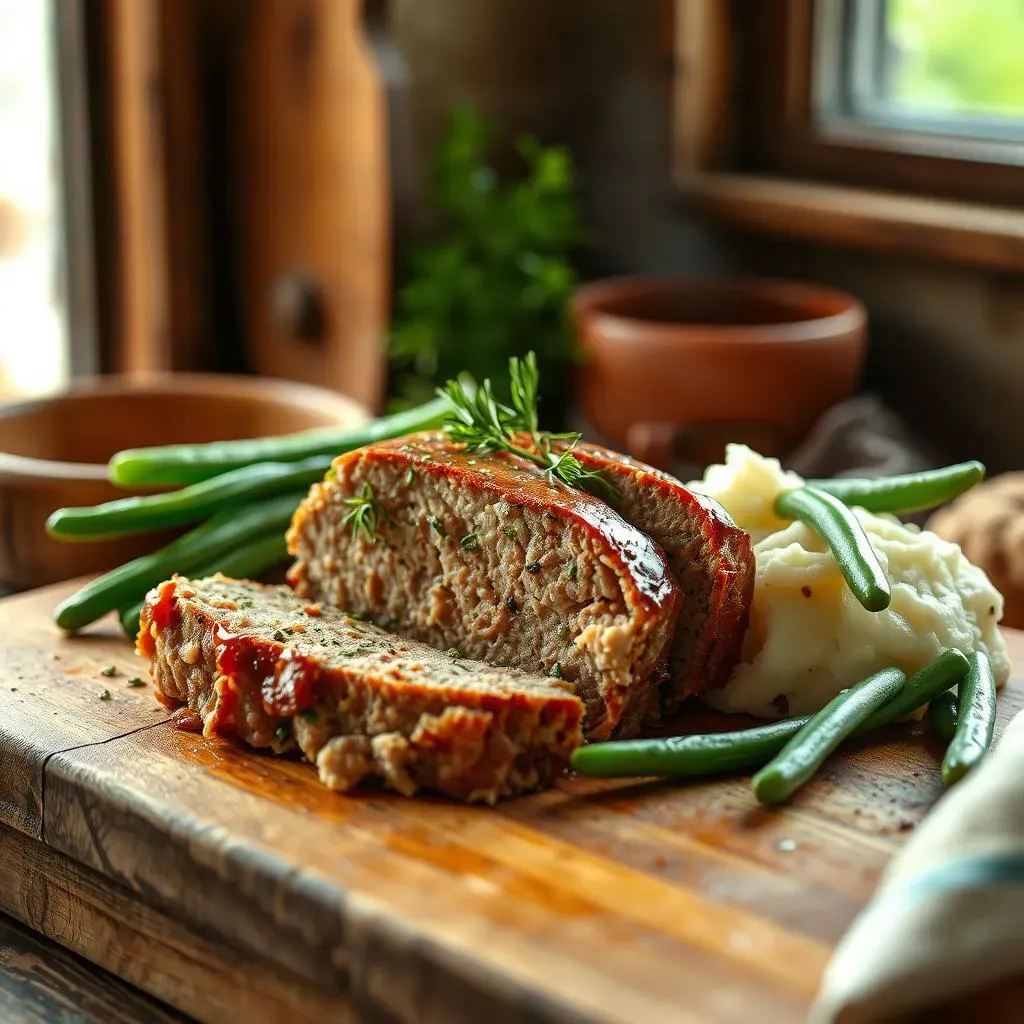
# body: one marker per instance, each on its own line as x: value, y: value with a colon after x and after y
x: 42, y: 983
x: 234, y: 887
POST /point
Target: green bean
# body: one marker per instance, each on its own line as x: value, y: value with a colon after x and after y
x: 190, y: 504
x: 190, y: 463
x: 124, y: 585
x: 687, y: 756
x: 805, y: 753
x: 699, y: 755
x: 977, y: 721
x: 849, y: 544
x: 938, y: 676
x: 943, y: 714
x: 129, y: 618
x: 246, y: 562
x: 912, y: 492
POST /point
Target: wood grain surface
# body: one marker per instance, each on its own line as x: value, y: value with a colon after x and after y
x: 198, y: 870
x: 40, y: 983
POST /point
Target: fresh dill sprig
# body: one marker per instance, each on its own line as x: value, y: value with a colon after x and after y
x: 365, y: 513
x: 483, y: 424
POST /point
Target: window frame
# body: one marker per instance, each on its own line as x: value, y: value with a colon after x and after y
x: 750, y: 154
x: 787, y: 133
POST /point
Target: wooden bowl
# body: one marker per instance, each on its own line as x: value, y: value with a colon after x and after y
x: 53, y: 452
x: 668, y: 358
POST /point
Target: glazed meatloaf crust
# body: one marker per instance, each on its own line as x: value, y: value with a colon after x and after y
x: 711, y: 558
x: 262, y: 664
x: 485, y: 554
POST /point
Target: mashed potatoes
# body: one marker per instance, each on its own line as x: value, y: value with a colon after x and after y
x: 809, y: 637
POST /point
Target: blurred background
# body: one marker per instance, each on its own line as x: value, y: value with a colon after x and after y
x: 371, y: 196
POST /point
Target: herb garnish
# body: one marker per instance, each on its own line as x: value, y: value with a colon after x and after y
x: 281, y: 732
x: 437, y: 525
x: 556, y: 670
x: 135, y: 681
x: 110, y: 671
x: 367, y: 514
x: 483, y: 424
x: 469, y: 542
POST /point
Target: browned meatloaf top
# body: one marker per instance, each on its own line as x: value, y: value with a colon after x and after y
x: 486, y: 553
x: 267, y: 666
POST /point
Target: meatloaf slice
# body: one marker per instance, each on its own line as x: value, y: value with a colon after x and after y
x: 485, y: 554
x: 263, y: 664
x: 710, y: 556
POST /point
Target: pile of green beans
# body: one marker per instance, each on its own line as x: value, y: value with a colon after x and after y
x: 823, y: 505
x: 242, y: 495
x: 798, y: 746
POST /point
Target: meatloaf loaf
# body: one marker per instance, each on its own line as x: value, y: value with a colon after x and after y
x: 265, y: 665
x: 486, y: 554
x: 711, y: 558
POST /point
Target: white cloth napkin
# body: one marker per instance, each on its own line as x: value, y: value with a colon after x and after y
x: 948, y: 916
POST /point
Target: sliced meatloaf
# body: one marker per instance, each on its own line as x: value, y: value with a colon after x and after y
x: 486, y: 554
x: 711, y: 559
x: 269, y: 667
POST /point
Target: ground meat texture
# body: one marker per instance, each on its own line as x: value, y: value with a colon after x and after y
x: 710, y: 556
x: 484, y: 554
x: 264, y: 665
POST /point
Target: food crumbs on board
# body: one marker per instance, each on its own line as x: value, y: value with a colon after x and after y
x: 110, y: 671
x: 103, y: 695
x: 136, y: 681
x: 661, y: 861
x: 787, y: 845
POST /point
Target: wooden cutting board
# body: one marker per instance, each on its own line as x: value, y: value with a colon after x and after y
x: 234, y: 887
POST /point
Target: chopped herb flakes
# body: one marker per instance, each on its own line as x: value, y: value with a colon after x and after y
x: 511, y: 605
x: 510, y: 531
x: 556, y: 670
x: 103, y: 695
x: 110, y: 671
x: 310, y: 715
x: 136, y: 681
x: 436, y: 525
x: 281, y: 732
x: 410, y: 476
x: 469, y: 542
x: 572, y: 571
x: 453, y: 652
x: 533, y: 567
x: 279, y: 636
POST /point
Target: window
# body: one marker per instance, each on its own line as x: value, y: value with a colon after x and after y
x: 947, y: 69
x: 33, y: 337
x: 892, y: 125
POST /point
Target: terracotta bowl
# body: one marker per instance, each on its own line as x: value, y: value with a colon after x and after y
x: 672, y: 362
x: 53, y: 452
